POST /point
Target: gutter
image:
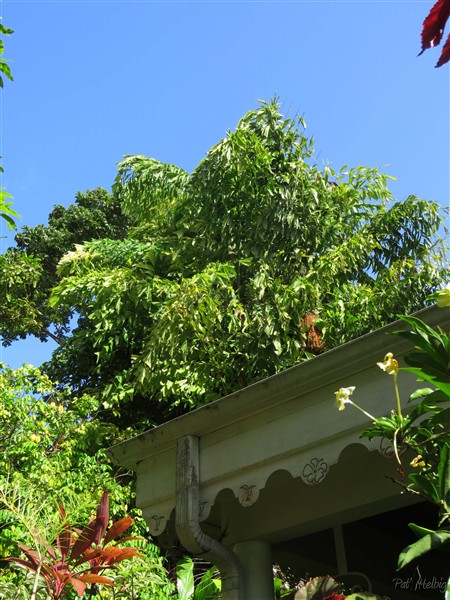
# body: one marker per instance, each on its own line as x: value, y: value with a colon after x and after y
x: 187, y: 522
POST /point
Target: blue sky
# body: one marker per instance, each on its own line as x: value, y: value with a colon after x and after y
x: 95, y: 80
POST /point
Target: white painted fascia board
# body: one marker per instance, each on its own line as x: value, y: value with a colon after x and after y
x: 294, y: 383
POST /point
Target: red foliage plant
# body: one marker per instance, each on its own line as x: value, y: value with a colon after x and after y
x: 79, y: 556
x: 433, y: 30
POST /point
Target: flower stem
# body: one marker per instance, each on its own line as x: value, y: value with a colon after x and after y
x: 362, y: 410
x: 397, y: 396
x: 396, y: 448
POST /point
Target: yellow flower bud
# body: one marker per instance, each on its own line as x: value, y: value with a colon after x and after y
x: 390, y: 365
x: 343, y: 397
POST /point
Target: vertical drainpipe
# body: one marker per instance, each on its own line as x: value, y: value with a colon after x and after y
x: 187, y: 523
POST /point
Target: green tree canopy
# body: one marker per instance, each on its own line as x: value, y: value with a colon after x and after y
x: 256, y: 260
x: 28, y: 271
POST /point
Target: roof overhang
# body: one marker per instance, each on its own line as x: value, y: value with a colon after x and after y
x: 283, y: 437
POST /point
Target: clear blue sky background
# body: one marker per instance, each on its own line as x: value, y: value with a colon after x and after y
x: 95, y: 80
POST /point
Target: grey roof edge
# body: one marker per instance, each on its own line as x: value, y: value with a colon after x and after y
x: 350, y: 358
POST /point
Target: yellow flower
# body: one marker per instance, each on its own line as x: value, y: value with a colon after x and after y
x: 35, y: 438
x: 390, y: 365
x: 343, y: 397
x: 60, y: 409
x: 443, y: 297
x: 417, y: 462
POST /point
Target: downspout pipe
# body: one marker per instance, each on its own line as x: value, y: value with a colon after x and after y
x: 187, y: 522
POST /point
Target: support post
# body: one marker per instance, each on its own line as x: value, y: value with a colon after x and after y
x: 187, y: 522
x: 256, y: 560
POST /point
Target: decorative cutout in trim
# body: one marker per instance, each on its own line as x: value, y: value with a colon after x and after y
x: 315, y: 471
x: 248, y: 494
x: 203, y: 508
x: 386, y: 448
x: 155, y: 524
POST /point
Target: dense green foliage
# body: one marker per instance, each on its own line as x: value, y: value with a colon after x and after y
x: 28, y: 271
x: 75, y: 559
x: 52, y: 443
x: 6, y: 212
x: 52, y: 451
x: 219, y: 283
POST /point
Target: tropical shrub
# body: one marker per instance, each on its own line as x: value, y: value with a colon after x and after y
x: 79, y: 557
x: 422, y: 426
x: 52, y: 451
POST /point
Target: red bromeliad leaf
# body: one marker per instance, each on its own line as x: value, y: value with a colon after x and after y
x: 60, y: 568
x: 22, y: 562
x: 98, y: 556
x: 32, y: 555
x: 64, y: 542
x: 47, y: 572
x: 78, y: 585
x: 433, y: 28
x: 89, y: 555
x: 102, y: 513
x: 51, y: 552
x: 33, y: 562
x: 117, y: 528
x: 87, y: 537
x: 445, y: 54
x: 109, y: 552
x: 105, y: 557
x: 64, y: 539
x: 89, y: 578
x: 60, y: 580
x: 125, y: 554
x: 62, y: 511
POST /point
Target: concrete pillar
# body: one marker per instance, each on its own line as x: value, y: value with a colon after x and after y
x: 256, y: 560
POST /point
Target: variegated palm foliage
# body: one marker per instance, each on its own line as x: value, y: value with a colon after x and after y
x: 256, y: 260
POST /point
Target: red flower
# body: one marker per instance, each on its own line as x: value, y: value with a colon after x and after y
x: 335, y: 596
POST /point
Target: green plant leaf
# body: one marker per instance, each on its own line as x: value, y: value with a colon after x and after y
x: 427, y: 543
x: 185, y: 579
x: 420, y: 393
x: 436, y: 377
x: 444, y: 475
x: 423, y: 484
x: 208, y: 587
x: 419, y: 530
